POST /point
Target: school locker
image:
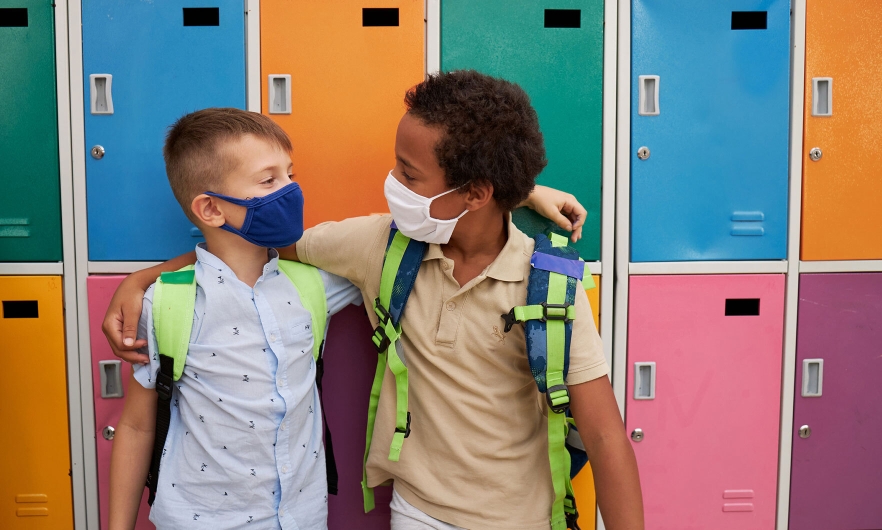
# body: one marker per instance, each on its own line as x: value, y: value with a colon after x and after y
x: 583, y: 483
x: 710, y: 103
x: 30, y: 203
x: 837, y: 423
x: 35, y: 489
x: 841, y: 217
x: 334, y: 76
x: 555, y: 52
x: 350, y: 363
x: 146, y: 64
x: 703, y: 394
x: 110, y: 381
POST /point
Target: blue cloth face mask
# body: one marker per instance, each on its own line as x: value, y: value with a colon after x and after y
x: 272, y: 221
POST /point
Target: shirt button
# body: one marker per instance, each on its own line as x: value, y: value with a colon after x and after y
x: 282, y: 512
x: 451, y: 306
x: 445, y: 265
x: 284, y: 469
x: 282, y: 427
x: 273, y: 337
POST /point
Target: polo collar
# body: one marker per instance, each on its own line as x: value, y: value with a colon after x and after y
x: 508, y: 265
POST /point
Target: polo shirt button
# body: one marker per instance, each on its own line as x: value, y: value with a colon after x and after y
x: 284, y: 469
x: 445, y: 265
x: 451, y: 306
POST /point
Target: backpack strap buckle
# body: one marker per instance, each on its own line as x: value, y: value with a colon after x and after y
x: 557, y: 312
x: 406, y: 431
x: 558, y: 398
x: 381, y: 338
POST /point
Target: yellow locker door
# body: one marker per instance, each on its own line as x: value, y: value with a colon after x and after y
x: 583, y: 484
x: 345, y: 69
x: 35, y: 488
x: 842, y: 191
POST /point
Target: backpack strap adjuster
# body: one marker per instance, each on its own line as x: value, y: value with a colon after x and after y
x: 558, y: 398
x: 381, y: 338
x: 406, y: 431
x: 163, y: 385
x: 543, y: 312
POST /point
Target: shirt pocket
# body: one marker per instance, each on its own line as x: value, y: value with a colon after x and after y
x: 299, y: 334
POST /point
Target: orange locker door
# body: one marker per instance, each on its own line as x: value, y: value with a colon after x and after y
x: 334, y: 76
x: 842, y: 191
x: 583, y: 483
x: 35, y: 488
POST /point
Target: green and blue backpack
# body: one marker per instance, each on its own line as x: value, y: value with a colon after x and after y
x: 547, y: 317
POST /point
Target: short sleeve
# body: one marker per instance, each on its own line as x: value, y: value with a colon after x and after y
x: 586, y: 349
x: 339, y: 292
x: 348, y: 248
x: 145, y: 374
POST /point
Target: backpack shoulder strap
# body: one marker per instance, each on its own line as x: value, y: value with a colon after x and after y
x: 311, y: 289
x: 547, y: 319
x: 174, y: 299
x: 401, y: 264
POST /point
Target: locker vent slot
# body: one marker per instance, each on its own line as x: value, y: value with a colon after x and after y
x: 563, y: 18
x: 379, y: 16
x: 822, y: 96
x: 13, y: 17
x: 20, y: 309
x: 15, y: 227
x: 202, y: 16
x: 749, y: 19
x: 742, y: 307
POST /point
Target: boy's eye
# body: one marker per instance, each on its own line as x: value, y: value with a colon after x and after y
x: 406, y: 176
x: 291, y: 177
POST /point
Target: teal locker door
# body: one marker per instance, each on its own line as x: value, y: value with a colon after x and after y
x: 556, y: 55
x: 30, y: 203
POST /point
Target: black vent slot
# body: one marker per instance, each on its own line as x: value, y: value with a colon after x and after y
x: 379, y: 16
x: 742, y: 307
x: 13, y: 17
x: 202, y: 16
x: 749, y: 19
x: 563, y: 18
x: 20, y: 309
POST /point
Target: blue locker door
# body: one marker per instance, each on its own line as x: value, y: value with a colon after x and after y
x: 164, y: 59
x: 715, y: 122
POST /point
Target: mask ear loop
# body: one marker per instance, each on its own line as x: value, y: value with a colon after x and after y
x: 458, y: 217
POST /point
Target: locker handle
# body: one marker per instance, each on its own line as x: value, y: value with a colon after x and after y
x: 812, y: 377
x: 644, y: 380
x: 648, y: 95
x: 110, y: 373
x: 822, y: 96
x: 279, y: 93
x: 101, y: 93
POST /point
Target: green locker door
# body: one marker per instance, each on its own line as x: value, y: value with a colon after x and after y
x: 556, y: 55
x: 30, y: 204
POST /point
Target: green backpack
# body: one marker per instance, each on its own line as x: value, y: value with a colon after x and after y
x: 174, y: 299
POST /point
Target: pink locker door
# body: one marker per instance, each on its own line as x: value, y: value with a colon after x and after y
x: 110, y: 378
x: 836, y: 475
x: 703, y: 398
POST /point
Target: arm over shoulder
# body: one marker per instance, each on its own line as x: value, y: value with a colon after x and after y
x: 347, y: 248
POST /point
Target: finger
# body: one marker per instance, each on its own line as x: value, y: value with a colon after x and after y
x: 133, y: 357
x: 131, y: 313
x: 560, y: 220
x: 576, y: 235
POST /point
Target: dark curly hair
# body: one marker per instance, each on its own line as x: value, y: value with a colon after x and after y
x: 491, y: 132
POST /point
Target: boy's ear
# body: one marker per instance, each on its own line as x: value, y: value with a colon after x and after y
x: 478, y: 195
x: 204, y: 208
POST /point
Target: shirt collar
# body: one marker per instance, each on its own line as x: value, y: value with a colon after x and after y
x: 205, y: 257
x: 508, y: 265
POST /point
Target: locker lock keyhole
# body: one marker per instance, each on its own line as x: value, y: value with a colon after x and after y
x: 805, y: 431
x: 108, y: 433
x: 643, y: 153
x: 637, y: 435
x: 97, y: 152
x: 815, y: 154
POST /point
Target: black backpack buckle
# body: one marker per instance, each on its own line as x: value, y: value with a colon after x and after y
x: 561, y: 408
x: 164, y: 384
x: 406, y: 430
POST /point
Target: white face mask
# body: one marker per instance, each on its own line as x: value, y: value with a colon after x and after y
x: 410, y: 210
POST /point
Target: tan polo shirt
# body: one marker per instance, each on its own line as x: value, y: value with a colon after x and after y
x: 477, y: 455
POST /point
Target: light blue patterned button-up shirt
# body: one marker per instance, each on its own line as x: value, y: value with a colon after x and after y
x: 244, y: 449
